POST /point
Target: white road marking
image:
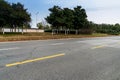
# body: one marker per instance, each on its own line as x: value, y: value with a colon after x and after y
x: 4, y: 49
x: 57, y: 44
x: 79, y: 41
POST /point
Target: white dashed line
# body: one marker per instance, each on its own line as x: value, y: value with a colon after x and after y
x: 4, y: 49
x: 57, y: 44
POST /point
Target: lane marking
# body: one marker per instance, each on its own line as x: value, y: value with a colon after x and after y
x: 4, y: 49
x: 34, y: 60
x: 100, y: 46
x: 57, y: 44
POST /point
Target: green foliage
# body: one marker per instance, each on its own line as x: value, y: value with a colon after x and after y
x: 69, y: 19
x: 75, y: 21
x: 13, y: 15
x: 80, y: 17
x: 107, y: 28
x: 47, y: 27
x: 5, y: 12
x: 55, y: 18
x: 20, y: 15
x: 40, y: 25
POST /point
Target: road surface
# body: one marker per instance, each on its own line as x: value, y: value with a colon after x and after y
x: 65, y: 59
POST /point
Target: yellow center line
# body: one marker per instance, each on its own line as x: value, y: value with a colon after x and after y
x: 33, y: 60
x: 100, y: 46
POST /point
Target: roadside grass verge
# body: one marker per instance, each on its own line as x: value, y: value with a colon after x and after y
x: 43, y: 36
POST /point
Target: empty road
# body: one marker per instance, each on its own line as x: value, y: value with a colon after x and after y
x: 65, y: 59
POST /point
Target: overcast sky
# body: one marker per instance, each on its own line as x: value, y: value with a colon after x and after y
x: 98, y: 11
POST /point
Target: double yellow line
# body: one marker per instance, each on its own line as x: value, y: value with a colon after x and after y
x: 33, y: 60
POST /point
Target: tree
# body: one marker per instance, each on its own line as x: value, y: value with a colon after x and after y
x: 13, y: 15
x: 108, y: 28
x: 47, y: 27
x: 20, y: 16
x: 117, y: 24
x: 5, y: 12
x: 40, y: 25
x: 68, y: 19
x: 55, y: 17
x: 80, y: 18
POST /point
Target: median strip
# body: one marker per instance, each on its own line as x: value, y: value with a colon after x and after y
x: 96, y: 47
x: 34, y: 60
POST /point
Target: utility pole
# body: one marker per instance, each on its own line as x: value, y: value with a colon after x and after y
x: 36, y: 18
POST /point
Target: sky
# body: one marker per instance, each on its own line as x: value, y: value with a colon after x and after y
x: 98, y: 11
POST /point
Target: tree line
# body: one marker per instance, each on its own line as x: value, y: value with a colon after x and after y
x: 75, y: 21
x: 67, y: 20
x: 13, y: 15
x: 107, y: 28
x: 62, y: 20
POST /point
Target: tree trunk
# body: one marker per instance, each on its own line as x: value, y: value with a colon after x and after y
x: 18, y: 29
x: 26, y: 29
x: 22, y: 30
x: 15, y: 29
x: 56, y: 31
x: 3, y: 30
x: 0, y: 29
x: 10, y: 30
x: 76, y: 32
x: 52, y: 31
x: 65, y: 32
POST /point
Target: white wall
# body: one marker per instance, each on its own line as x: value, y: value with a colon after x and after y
x: 24, y: 30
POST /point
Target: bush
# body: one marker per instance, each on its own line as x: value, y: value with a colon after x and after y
x: 86, y: 31
x: 48, y: 30
x: 108, y: 29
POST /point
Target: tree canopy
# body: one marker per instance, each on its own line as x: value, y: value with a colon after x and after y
x: 65, y: 18
x: 5, y: 11
x: 13, y: 15
x: 80, y: 17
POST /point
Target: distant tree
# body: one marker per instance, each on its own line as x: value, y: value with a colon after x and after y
x: 40, y: 25
x: 117, y: 24
x: 108, y: 29
x: 47, y: 27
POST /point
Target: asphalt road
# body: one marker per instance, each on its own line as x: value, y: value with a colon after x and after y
x: 65, y: 59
